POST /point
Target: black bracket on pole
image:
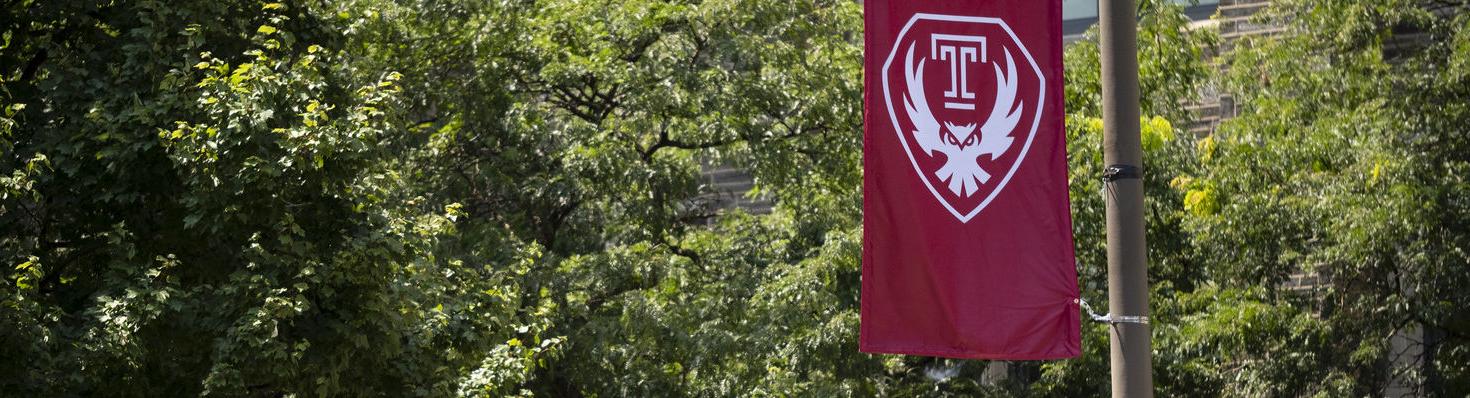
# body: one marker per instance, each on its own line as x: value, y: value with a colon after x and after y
x: 1121, y: 171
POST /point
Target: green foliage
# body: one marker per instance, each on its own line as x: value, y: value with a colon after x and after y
x: 504, y: 199
x: 1346, y: 162
x: 203, y: 211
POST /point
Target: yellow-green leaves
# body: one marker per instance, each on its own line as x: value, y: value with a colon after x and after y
x: 28, y: 273
x: 1155, y: 133
x: 1200, y: 197
x: 315, y: 113
x: 1205, y: 147
x: 1095, y: 124
x: 454, y: 211
x: 1202, y: 201
x: 1377, y: 169
x: 239, y: 75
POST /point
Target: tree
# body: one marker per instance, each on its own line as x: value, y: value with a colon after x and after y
x: 199, y: 203
x: 1345, y: 162
x: 354, y: 198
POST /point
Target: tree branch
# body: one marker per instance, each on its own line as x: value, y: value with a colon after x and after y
x: 664, y: 141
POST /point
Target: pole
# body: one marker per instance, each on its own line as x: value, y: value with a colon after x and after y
x: 1132, y: 370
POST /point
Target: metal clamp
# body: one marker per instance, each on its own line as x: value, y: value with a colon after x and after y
x: 1110, y: 318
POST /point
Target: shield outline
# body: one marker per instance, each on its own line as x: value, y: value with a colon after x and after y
x: 898, y: 128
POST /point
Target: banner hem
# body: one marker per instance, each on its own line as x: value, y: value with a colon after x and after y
x: 962, y: 354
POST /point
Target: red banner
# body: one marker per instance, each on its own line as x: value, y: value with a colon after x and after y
x: 967, y: 239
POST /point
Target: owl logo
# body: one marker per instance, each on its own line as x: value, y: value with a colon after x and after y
x: 961, y: 133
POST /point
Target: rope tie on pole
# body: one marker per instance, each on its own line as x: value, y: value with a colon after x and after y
x: 1121, y: 171
x: 1116, y: 172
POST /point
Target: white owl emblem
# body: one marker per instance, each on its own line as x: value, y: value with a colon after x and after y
x: 964, y: 153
